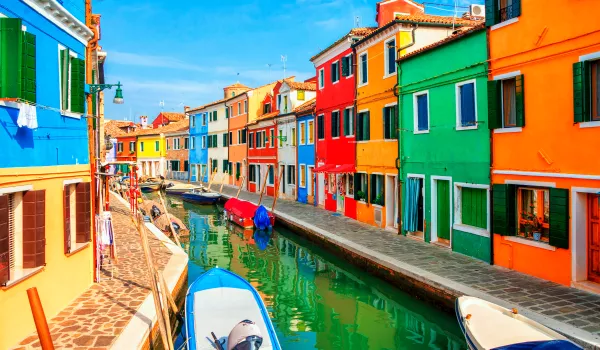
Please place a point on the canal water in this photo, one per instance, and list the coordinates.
(315, 299)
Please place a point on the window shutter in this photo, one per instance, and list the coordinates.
(504, 212)
(516, 8)
(580, 92)
(11, 38)
(367, 126)
(67, 219)
(559, 218)
(491, 12)
(224, 139)
(226, 112)
(215, 141)
(386, 124)
(346, 117)
(83, 212)
(28, 81)
(225, 165)
(373, 189)
(4, 241)
(65, 66)
(77, 85)
(520, 100)
(394, 122)
(332, 72)
(494, 111)
(345, 65)
(34, 227)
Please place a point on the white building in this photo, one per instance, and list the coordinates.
(286, 155)
(292, 94)
(218, 141)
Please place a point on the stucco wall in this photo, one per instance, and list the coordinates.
(286, 154)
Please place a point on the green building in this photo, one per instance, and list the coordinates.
(444, 143)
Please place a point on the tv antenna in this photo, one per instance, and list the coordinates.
(357, 21)
(283, 59)
(269, 65)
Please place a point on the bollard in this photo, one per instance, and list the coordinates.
(41, 325)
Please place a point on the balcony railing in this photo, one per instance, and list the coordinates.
(510, 11)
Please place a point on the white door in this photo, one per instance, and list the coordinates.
(310, 181)
(340, 185)
(321, 188)
(391, 201)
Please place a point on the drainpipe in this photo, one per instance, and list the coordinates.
(491, 133)
(400, 160)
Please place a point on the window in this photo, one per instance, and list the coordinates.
(203, 119)
(175, 143)
(193, 146)
(251, 140)
(271, 175)
(363, 125)
(18, 74)
(186, 143)
(280, 138)
(362, 189)
(349, 185)
(119, 147)
(244, 131)
(203, 141)
(131, 146)
(390, 57)
(302, 133)
(168, 142)
(239, 108)
(142, 146)
(193, 121)
(586, 91)
(321, 127)
(258, 139)
(363, 71)
(302, 175)
(390, 123)
(533, 213)
(225, 139)
(421, 112)
(506, 105)
(225, 165)
(267, 108)
(285, 103)
(227, 110)
(321, 78)
(335, 72)
(245, 106)
(335, 124)
(293, 133)
(157, 145)
(349, 121)
(291, 175)
(215, 166)
(473, 207)
(278, 102)
(311, 132)
(595, 85)
(465, 106)
(252, 173)
(377, 190)
(300, 94)
(509, 110)
(332, 184)
(347, 66)
(509, 9)
(174, 164)
(186, 165)
(272, 137)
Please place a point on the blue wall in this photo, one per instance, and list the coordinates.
(199, 155)
(306, 155)
(58, 140)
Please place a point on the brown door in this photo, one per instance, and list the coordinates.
(594, 238)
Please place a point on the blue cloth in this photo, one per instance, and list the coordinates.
(542, 345)
(411, 205)
(261, 218)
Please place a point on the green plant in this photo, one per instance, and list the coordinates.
(378, 199)
(361, 195)
(530, 222)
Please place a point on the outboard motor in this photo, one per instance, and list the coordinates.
(245, 336)
(176, 227)
(155, 212)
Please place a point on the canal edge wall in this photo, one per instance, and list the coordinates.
(142, 330)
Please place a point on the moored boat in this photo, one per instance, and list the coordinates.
(490, 326)
(201, 197)
(220, 304)
(241, 213)
(150, 186)
(179, 189)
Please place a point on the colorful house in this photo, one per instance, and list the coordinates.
(543, 110)
(335, 146)
(177, 156)
(166, 118)
(446, 195)
(376, 180)
(45, 212)
(125, 142)
(305, 126)
(238, 137)
(198, 156)
(262, 153)
(151, 152)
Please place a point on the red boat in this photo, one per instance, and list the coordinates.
(242, 212)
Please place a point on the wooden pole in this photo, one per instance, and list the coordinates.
(240, 189)
(204, 173)
(175, 235)
(170, 299)
(165, 305)
(211, 179)
(264, 186)
(223, 181)
(39, 318)
(277, 190)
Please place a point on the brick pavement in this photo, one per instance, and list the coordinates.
(570, 311)
(96, 318)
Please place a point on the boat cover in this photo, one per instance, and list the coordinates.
(262, 221)
(240, 208)
(541, 345)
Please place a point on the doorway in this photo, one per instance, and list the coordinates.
(593, 245)
(341, 190)
(321, 188)
(259, 180)
(391, 200)
(441, 212)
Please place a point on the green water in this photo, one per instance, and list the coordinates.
(316, 300)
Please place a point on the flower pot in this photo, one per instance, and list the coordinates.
(537, 236)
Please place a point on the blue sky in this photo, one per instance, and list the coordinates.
(185, 51)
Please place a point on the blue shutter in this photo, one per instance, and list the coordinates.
(467, 104)
(422, 116)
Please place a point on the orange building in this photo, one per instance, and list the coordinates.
(543, 109)
(237, 108)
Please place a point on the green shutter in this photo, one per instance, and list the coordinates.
(28, 75)
(11, 56)
(346, 113)
(345, 66)
(237, 170)
(494, 110)
(520, 100)
(226, 112)
(373, 189)
(215, 115)
(215, 141)
(504, 213)
(491, 12)
(516, 8)
(559, 218)
(224, 165)
(65, 66)
(386, 126)
(77, 85)
(580, 92)
(394, 122)
(367, 126)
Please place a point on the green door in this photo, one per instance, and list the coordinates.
(443, 209)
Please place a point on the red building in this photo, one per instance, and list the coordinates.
(165, 118)
(388, 9)
(335, 124)
(124, 132)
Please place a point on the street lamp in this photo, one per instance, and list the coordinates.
(95, 88)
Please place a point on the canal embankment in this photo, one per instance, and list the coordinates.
(439, 275)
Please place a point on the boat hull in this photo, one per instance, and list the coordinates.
(241, 213)
(200, 199)
(150, 188)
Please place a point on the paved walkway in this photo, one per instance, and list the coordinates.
(569, 311)
(97, 317)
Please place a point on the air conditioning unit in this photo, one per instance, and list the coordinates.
(477, 10)
(378, 216)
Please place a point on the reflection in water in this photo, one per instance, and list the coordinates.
(315, 299)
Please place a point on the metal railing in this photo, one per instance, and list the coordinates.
(177, 175)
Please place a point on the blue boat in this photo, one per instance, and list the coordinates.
(200, 197)
(221, 306)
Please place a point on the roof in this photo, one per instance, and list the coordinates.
(310, 86)
(442, 21)
(113, 127)
(353, 32)
(307, 107)
(172, 116)
(460, 33)
(210, 104)
(264, 117)
(237, 85)
(173, 127)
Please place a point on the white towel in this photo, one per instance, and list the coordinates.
(27, 116)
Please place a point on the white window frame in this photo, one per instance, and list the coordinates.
(193, 121)
(310, 184)
(352, 133)
(302, 172)
(239, 108)
(66, 112)
(348, 176)
(321, 78)
(350, 66)
(510, 128)
(458, 105)
(424, 211)
(337, 63)
(176, 145)
(278, 101)
(131, 149)
(288, 172)
(203, 142)
(193, 142)
(308, 132)
(120, 147)
(245, 106)
(386, 59)
(300, 125)
(251, 136)
(457, 223)
(339, 124)
(204, 118)
(360, 69)
(416, 113)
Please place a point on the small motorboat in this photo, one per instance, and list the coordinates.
(201, 197)
(222, 307)
(150, 186)
(241, 213)
(179, 189)
(490, 326)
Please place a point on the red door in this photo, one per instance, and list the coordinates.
(593, 238)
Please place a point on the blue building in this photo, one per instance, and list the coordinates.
(305, 124)
(45, 211)
(198, 137)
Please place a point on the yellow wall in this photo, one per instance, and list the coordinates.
(63, 278)
(150, 147)
(255, 100)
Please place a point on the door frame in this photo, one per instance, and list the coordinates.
(339, 195)
(321, 188)
(579, 234)
(388, 207)
(588, 243)
(433, 237)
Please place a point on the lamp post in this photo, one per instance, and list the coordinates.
(95, 88)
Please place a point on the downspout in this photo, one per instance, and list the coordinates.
(491, 133)
(400, 159)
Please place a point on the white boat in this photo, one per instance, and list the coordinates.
(179, 189)
(222, 303)
(490, 326)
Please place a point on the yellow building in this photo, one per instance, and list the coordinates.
(377, 184)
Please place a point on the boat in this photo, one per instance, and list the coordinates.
(150, 186)
(241, 213)
(179, 189)
(490, 326)
(201, 197)
(219, 305)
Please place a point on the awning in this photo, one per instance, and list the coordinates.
(324, 168)
(342, 169)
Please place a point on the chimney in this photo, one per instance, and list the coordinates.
(186, 108)
(144, 122)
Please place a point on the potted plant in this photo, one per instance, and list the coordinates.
(361, 196)
(532, 225)
(378, 199)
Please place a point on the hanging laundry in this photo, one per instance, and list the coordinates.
(27, 116)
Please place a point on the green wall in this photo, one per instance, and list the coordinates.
(463, 155)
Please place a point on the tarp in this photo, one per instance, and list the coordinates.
(346, 168)
(262, 221)
(324, 168)
(240, 208)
